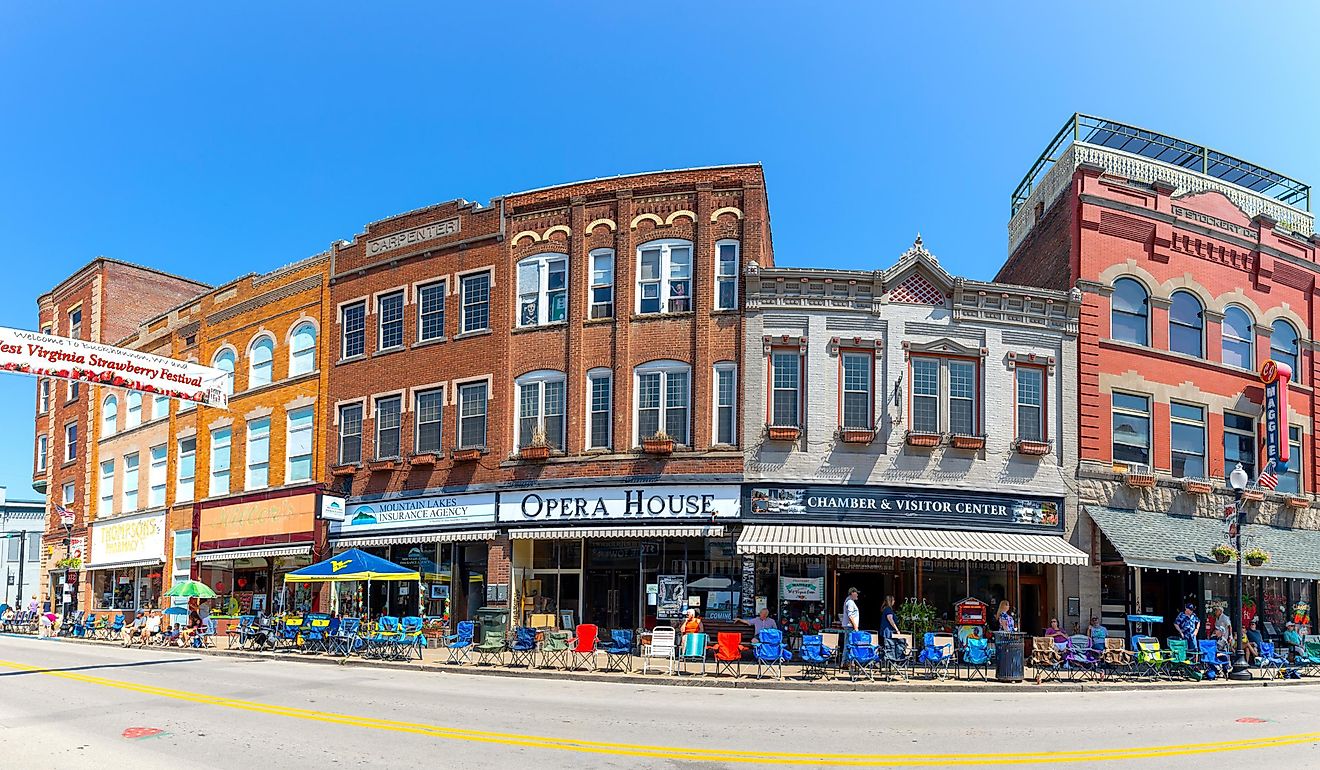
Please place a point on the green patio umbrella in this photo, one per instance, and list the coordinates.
(191, 588)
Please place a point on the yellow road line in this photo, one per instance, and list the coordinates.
(682, 753)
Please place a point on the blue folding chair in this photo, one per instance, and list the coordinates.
(115, 628)
(411, 639)
(1215, 662)
(815, 656)
(384, 641)
(316, 633)
(460, 643)
(936, 655)
(976, 657)
(238, 635)
(619, 651)
(694, 651)
(522, 652)
(863, 657)
(770, 653)
(1271, 664)
(345, 640)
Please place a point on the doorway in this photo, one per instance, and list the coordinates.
(871, 587)
(612, 598)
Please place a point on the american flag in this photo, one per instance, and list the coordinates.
(1267, 478)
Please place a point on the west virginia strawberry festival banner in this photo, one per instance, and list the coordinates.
(45, 355)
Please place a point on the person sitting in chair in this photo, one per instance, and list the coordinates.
(761, 622)
(1254, 639)
(1293, 640)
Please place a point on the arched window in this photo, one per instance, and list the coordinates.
(1130, 319)
(302, 353)
(1186, 324)
(109, 416)
(133, 415)
(541, 408)
(542, 289)
(1238, 338)
(224, 361)
(1283, 346)
(261, 362)
(662, 394)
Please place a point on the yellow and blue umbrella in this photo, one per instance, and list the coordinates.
(352, 564)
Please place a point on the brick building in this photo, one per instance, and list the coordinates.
(103, 301)
(1195, 268)
(907, 433)
(537, 398)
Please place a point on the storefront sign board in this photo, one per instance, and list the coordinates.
(802, 589)
(436, 511)
(292, 514)
(130, 539)
(1276, 377)
(895, 507)
(672, 596)
(620, 504)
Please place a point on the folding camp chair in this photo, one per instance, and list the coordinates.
(896, 657)
(1214, 662)
(72, 627)
(815, 656)
(976, 657)
(937, 655)
(1045, 658)
(290, 632)
(1182, 661)
(1309, 657)
(862, 656)
(345, 641)
(728, 654)
(770, 653)
(238, 634)
(522, 652)
(1152, 660)
(554, 649)
(1081, 660)
(316, 631)
(115, 628)
(619, 651)
(1116, 659)
(583, 646)
(493, 644)
(1271, 664)
(411, 639)
(694, 650)
(459, 643)
(661, 647)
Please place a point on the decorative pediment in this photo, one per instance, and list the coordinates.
(770, 342)
(918, 278)
(942, 347)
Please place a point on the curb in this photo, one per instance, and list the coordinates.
(694, 681)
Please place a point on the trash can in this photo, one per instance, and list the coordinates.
(495, 620)
(1008, 656)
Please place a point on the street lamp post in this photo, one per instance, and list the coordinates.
(1238, 481)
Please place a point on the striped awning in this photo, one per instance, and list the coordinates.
(573, 533)
(465, 536)
(908, 543)
(229, 554)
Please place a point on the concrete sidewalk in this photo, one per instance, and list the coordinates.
(837, 681)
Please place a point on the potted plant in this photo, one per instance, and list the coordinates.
(1298, 501)
(539, 449)
(1196, 486)
(1223, 553)
(1256, 556)
(659, 444)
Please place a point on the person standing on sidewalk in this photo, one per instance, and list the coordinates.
(852, 617)
(888, 620)
(34, 606)
(1005, 616)
(1189, 626)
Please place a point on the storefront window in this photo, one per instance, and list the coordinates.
(129, 589)
(801, 593)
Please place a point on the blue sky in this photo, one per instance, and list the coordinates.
(217, 141)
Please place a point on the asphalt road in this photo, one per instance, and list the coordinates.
(68, 705)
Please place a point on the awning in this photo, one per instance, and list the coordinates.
(126, 564)
(424, 537)
(908, 543)
(573, 533)
(1156, 540)
(229, 554)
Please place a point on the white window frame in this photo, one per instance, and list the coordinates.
(218, 473)
(43, 396)
(70, 444)
(595, 309)
(538, 381)
(68, 493)
(132, 410)
(1249, 341)
(43, 447)
(944, 395)
(109, 415)
(666, 369)
(376, 426)
(868, 357)
(132, 478)
(105, 489)
(1295, 464)
(440, 287)
(1253, 434)
(252, 435)
(157, 475)
(295, 351)
(722, 278)
(719, 370)
(664, 280)
(402, 296)
(290, 432)
(339, 423)
(344, 330)
(463, 281)
(543, 264)
(417, 420)
(229, 355)
(267, 365)
(459, 390)
(75, 327)
(588, 439)
(186, 486)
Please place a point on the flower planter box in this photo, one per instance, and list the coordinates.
(534, 453)
(1197, 486)
(964, 441)
(856, 436)
(783, 432)
(1139, 479)
(658, 446)
(1254, 495)
(1297, 501)
(923, 439)
(1033, 448)
(424, 458)
(468, 454)
(377, 466)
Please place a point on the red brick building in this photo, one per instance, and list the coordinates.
(104, 302)
(1195, 268)
(572, 348)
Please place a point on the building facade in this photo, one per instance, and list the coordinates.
(1196, 268)
(104, 301)
(22, 523)
(535, 401)
(907, 434)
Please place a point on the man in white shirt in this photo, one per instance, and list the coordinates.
(852, 617)
(1223, 630)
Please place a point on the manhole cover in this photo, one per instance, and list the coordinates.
(134, 733)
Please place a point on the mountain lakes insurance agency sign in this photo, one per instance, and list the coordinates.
(133, 539)
(431, 512)
(895, 507)
(620, 504)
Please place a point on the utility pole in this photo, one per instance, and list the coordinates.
(22, 558)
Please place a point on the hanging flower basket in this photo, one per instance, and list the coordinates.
(1197, 486)
(1223, 553)
(1256, 557)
